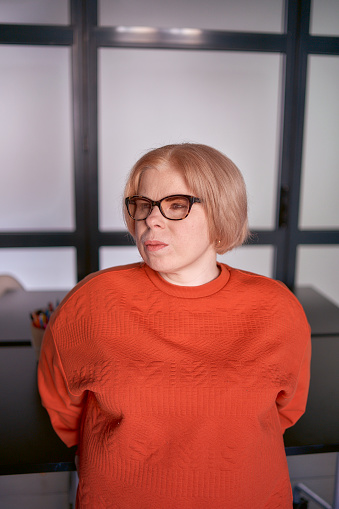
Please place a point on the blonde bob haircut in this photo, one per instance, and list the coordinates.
(210, 176)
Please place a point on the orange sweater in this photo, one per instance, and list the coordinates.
(177, 396)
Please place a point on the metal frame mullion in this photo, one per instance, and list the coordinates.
(79, 121)
(292, 142)
(91, 99)
(323, 45)
(188, 39)
(314, 237)
(36, 239)
(36, 34)
(300, 77)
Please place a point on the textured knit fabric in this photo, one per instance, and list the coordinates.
(177, 397)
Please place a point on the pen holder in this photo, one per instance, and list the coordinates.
(37, 335)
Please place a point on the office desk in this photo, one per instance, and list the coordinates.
(29, 444)
(318, 429)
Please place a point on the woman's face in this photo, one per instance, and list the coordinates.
(180, 251)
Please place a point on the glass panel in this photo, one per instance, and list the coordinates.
(151, 98)
(34, 12)
(114, 256)
(243, 15)
(320, 182)
(317, 266)
(41, 268)
(257, 259)
(324, 17)
(36, 155)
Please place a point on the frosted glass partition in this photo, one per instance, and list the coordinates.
(114, 256)
(36, 154)
(317, 266)
(40, 268)
(52, 12)
(320, 182)
(149, 98)
(243, 15)
(324, 17)
(257, 259)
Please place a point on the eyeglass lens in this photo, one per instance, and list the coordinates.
(174, 207)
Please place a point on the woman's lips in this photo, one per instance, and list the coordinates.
(154, 245)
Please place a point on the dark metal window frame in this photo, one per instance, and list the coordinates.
(84, 37)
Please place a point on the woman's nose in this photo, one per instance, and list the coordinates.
(155, 218)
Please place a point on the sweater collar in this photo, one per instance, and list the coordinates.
(189, 292)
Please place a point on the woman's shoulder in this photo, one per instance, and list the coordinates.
(113, 274)
(248, 278)
(263, 288)
(108, 276)
(269, 297)
(99, 287)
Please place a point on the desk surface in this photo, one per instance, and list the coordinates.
(29, 444)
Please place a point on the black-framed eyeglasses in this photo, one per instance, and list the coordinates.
(174, 207)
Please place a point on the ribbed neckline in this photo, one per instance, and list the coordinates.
(190, 292)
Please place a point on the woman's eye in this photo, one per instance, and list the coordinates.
(143, 205)
(178, 205)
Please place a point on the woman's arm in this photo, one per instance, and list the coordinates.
(64, 408)
(292, 408)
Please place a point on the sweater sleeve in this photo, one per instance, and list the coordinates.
(292, 408)
(63, 407)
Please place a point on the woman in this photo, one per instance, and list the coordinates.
(176, 377)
